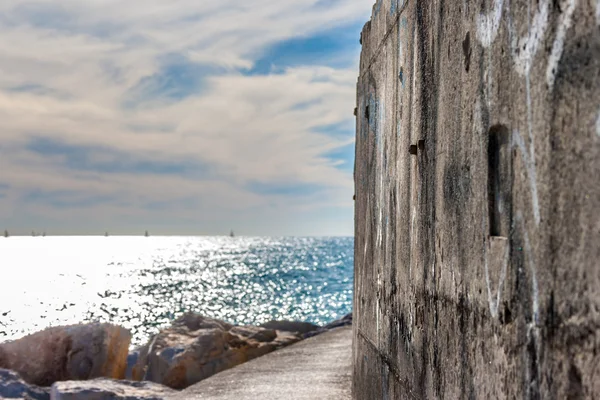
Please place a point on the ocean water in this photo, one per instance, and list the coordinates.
(143, 283)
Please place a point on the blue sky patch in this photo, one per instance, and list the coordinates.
(48, 16)
(336, 48)
(63, 199)
(284, 189)
(177, 78)
(38, 90)
(304, 105)
(3, 189)
(182, 203)
(110, 161)
(345, 154)
(344, 129)
(55, 17)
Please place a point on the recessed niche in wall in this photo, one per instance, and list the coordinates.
(499, 180)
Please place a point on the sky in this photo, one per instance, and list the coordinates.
(180, 117)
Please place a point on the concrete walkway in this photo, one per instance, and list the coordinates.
(316, 368)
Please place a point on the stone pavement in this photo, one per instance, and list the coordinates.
(318, 368)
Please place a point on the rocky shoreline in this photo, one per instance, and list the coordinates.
(92, 361)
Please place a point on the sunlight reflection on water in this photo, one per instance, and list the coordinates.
(144, 283)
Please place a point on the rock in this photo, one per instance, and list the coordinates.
(344, 321)
(286, 338)
(313, 333)
(75, 352)
(291, 326)
(260, 350)
(132, 360)
(13, 387)
(337, 324)
(254, 332)
(193, 322)
(195, 347)
(179, 358)
(108, 389)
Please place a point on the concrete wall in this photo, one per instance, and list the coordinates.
(477, 258)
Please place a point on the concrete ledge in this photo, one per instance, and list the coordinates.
(316, 368)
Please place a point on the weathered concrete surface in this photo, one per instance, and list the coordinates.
(477, 246)
(316, 368)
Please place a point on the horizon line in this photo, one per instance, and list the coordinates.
(176, 235)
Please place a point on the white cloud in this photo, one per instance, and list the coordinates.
(68, 73)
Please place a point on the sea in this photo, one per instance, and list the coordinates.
(144, 283)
